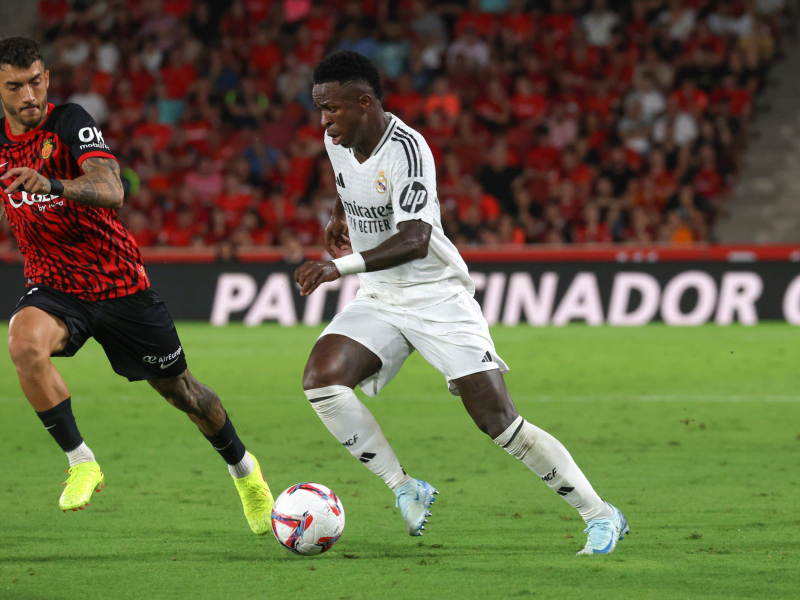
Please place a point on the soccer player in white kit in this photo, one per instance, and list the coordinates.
(416, 294)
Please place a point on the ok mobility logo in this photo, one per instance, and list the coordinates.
(91, 138)
(627, 297)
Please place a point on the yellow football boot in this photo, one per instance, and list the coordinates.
(84, 478)
(256, 499)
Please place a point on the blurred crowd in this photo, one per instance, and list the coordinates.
(550, 122)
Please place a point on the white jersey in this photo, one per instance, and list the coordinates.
(397, 183)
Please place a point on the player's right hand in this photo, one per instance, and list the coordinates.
(312, 273)
(336, 234)
(28, 180)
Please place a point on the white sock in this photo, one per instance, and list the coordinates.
(243, 468)
(81, 454)
(547, 457)
(353, 425)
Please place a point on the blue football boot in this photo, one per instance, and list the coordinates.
(413, 499)
(605, 533)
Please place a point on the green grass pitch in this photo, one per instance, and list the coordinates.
(694, 433)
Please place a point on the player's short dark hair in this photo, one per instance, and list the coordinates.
(346, 66)
(20, 52)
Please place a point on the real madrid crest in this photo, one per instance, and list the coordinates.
(380, 184)
(47, 149)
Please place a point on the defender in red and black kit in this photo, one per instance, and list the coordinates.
(60, 188)
(95, 258)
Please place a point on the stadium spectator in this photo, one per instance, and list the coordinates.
(675, 125)
(592, 229)
(678, 19)
(578, 120)
(632, 128)
(94, 103)
(563, 126)
(405, 102)
(498, 176)
(650, 99)
(599, 24)
(469, 51)
(443, 101)
(619, 172)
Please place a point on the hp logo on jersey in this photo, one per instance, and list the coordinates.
(414, 197)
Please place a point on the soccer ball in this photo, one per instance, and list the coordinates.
(307, 519)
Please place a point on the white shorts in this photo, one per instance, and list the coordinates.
(452, 336)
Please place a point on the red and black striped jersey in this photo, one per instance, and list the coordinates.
(67, 245)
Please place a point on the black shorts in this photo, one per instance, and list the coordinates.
(136, 331)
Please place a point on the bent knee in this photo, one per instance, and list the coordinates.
(495, 420)
(314, 378)
(492, 429)
(496, 423)
(318, 374)
(28, 353)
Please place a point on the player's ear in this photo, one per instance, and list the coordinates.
(365, 101)
(47, 79)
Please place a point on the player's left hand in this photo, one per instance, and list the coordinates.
(27, 180)
(312, 273)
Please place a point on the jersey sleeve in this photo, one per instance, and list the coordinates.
(79, 131)
(412, 179)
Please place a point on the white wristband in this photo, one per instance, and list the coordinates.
(352, 263)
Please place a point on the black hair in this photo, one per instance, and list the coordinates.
(20, 52)
(346, 66)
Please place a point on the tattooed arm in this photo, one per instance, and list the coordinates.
(100, 184)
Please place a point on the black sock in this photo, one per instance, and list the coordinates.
(60, 423)
(227, 443)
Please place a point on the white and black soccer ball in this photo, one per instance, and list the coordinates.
(307, 519)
